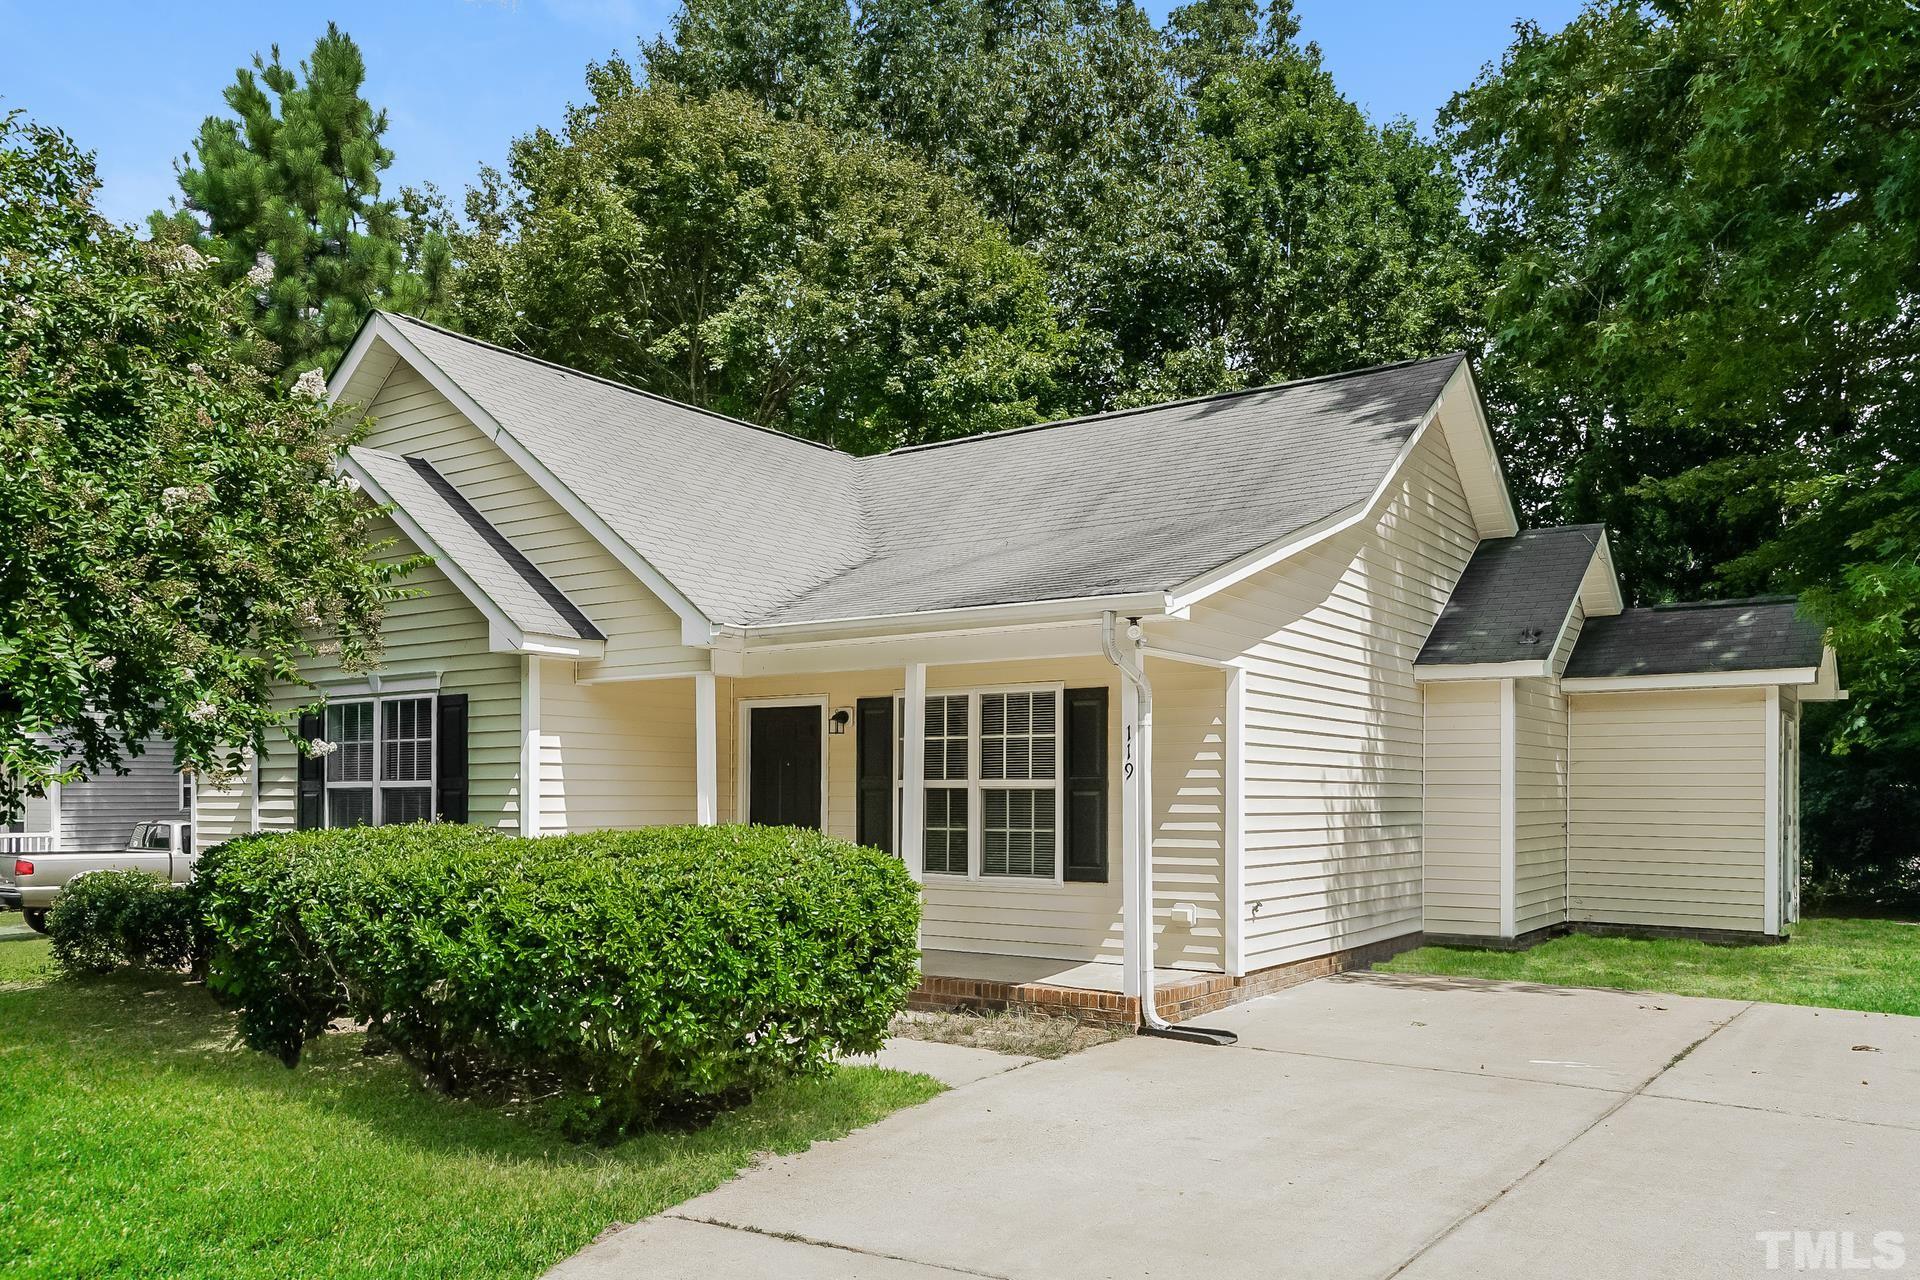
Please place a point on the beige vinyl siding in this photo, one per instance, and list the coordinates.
(613, 755)
(433, 632)
(1669, 808)
(643, 633)
(1333, 763)
(222, 812)
(1462, 827)
(1067, 921)
(1540, 804)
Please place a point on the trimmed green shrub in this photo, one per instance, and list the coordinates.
(631, 976)
(108, 919)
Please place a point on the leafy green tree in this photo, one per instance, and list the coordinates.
(773, 270)
(1703, 220)
(285, 196)
(1705, 314)
(1346, 243)
(176, 536)
(793, 57)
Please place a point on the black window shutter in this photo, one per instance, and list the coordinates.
(1086, 786)
(873, 747)
(308, 803)
(450, 745)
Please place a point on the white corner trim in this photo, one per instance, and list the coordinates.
(531, 792)
(1234, 762)
(1773, 763)
(1769, 678)
(1509, 808)
(913, 772)
(629, 556)
(706, 751)
(1438, 672)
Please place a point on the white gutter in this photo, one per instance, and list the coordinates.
(1138, 861)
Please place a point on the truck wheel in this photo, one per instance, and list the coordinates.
(36, 918)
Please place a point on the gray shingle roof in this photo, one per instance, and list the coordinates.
(757, 527)
(1691, 639)
(479, 550)
(1513, 598)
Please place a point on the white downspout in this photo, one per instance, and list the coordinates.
(1139, 860)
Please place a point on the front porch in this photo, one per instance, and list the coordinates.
(1022, 826)
(1092, 991)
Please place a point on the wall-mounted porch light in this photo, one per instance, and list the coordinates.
(838, 721)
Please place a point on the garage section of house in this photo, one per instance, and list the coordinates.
(1602, 768)
(1161, 708)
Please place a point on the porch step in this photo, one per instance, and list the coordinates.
(1178, 996)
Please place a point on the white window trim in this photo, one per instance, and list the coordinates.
(378, 784)
(745, 737)
(975, 786)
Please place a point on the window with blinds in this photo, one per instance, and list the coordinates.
(992, 784)
(1019, 771)
(380, 770)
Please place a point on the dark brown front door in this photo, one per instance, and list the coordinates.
(783, 766)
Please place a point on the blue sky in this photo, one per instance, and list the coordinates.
(460, 78)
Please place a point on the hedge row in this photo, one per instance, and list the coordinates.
(629, 976)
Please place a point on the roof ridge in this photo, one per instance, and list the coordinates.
(1108, 414)
(615, 383)
(1731, 602)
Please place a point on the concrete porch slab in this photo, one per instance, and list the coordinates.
(1091, 975)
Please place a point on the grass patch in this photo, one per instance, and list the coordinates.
(1034, 1035)
(142, 1142)
(1872, 965)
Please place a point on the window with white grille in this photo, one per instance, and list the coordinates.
(992, 784)
(948, 718)
(380, 769)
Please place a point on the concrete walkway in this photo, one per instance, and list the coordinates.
(1368, 1126)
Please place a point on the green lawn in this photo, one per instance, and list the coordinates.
(138, 1141)
(1835, 963)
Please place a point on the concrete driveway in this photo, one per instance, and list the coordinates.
(1370, 1126)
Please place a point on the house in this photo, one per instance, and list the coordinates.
(1289, 641)
(100, 812)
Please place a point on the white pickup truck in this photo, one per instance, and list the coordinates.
(31, 883)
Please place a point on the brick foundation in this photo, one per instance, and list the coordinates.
(1719, 937)
(1176, 1001)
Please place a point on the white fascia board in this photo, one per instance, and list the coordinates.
(1696, 680)
(1609, 584)
(1826, 686)
(1004, 644)
(694, 622)
(1507, 522)
(939, 622)
(1433, 672)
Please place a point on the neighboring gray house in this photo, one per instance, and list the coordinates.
(100, 812)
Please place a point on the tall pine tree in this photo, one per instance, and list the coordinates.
(287, 196)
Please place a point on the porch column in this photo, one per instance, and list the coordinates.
(706, 751)
(913, 772)
(530, 746)
(1131, 917)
